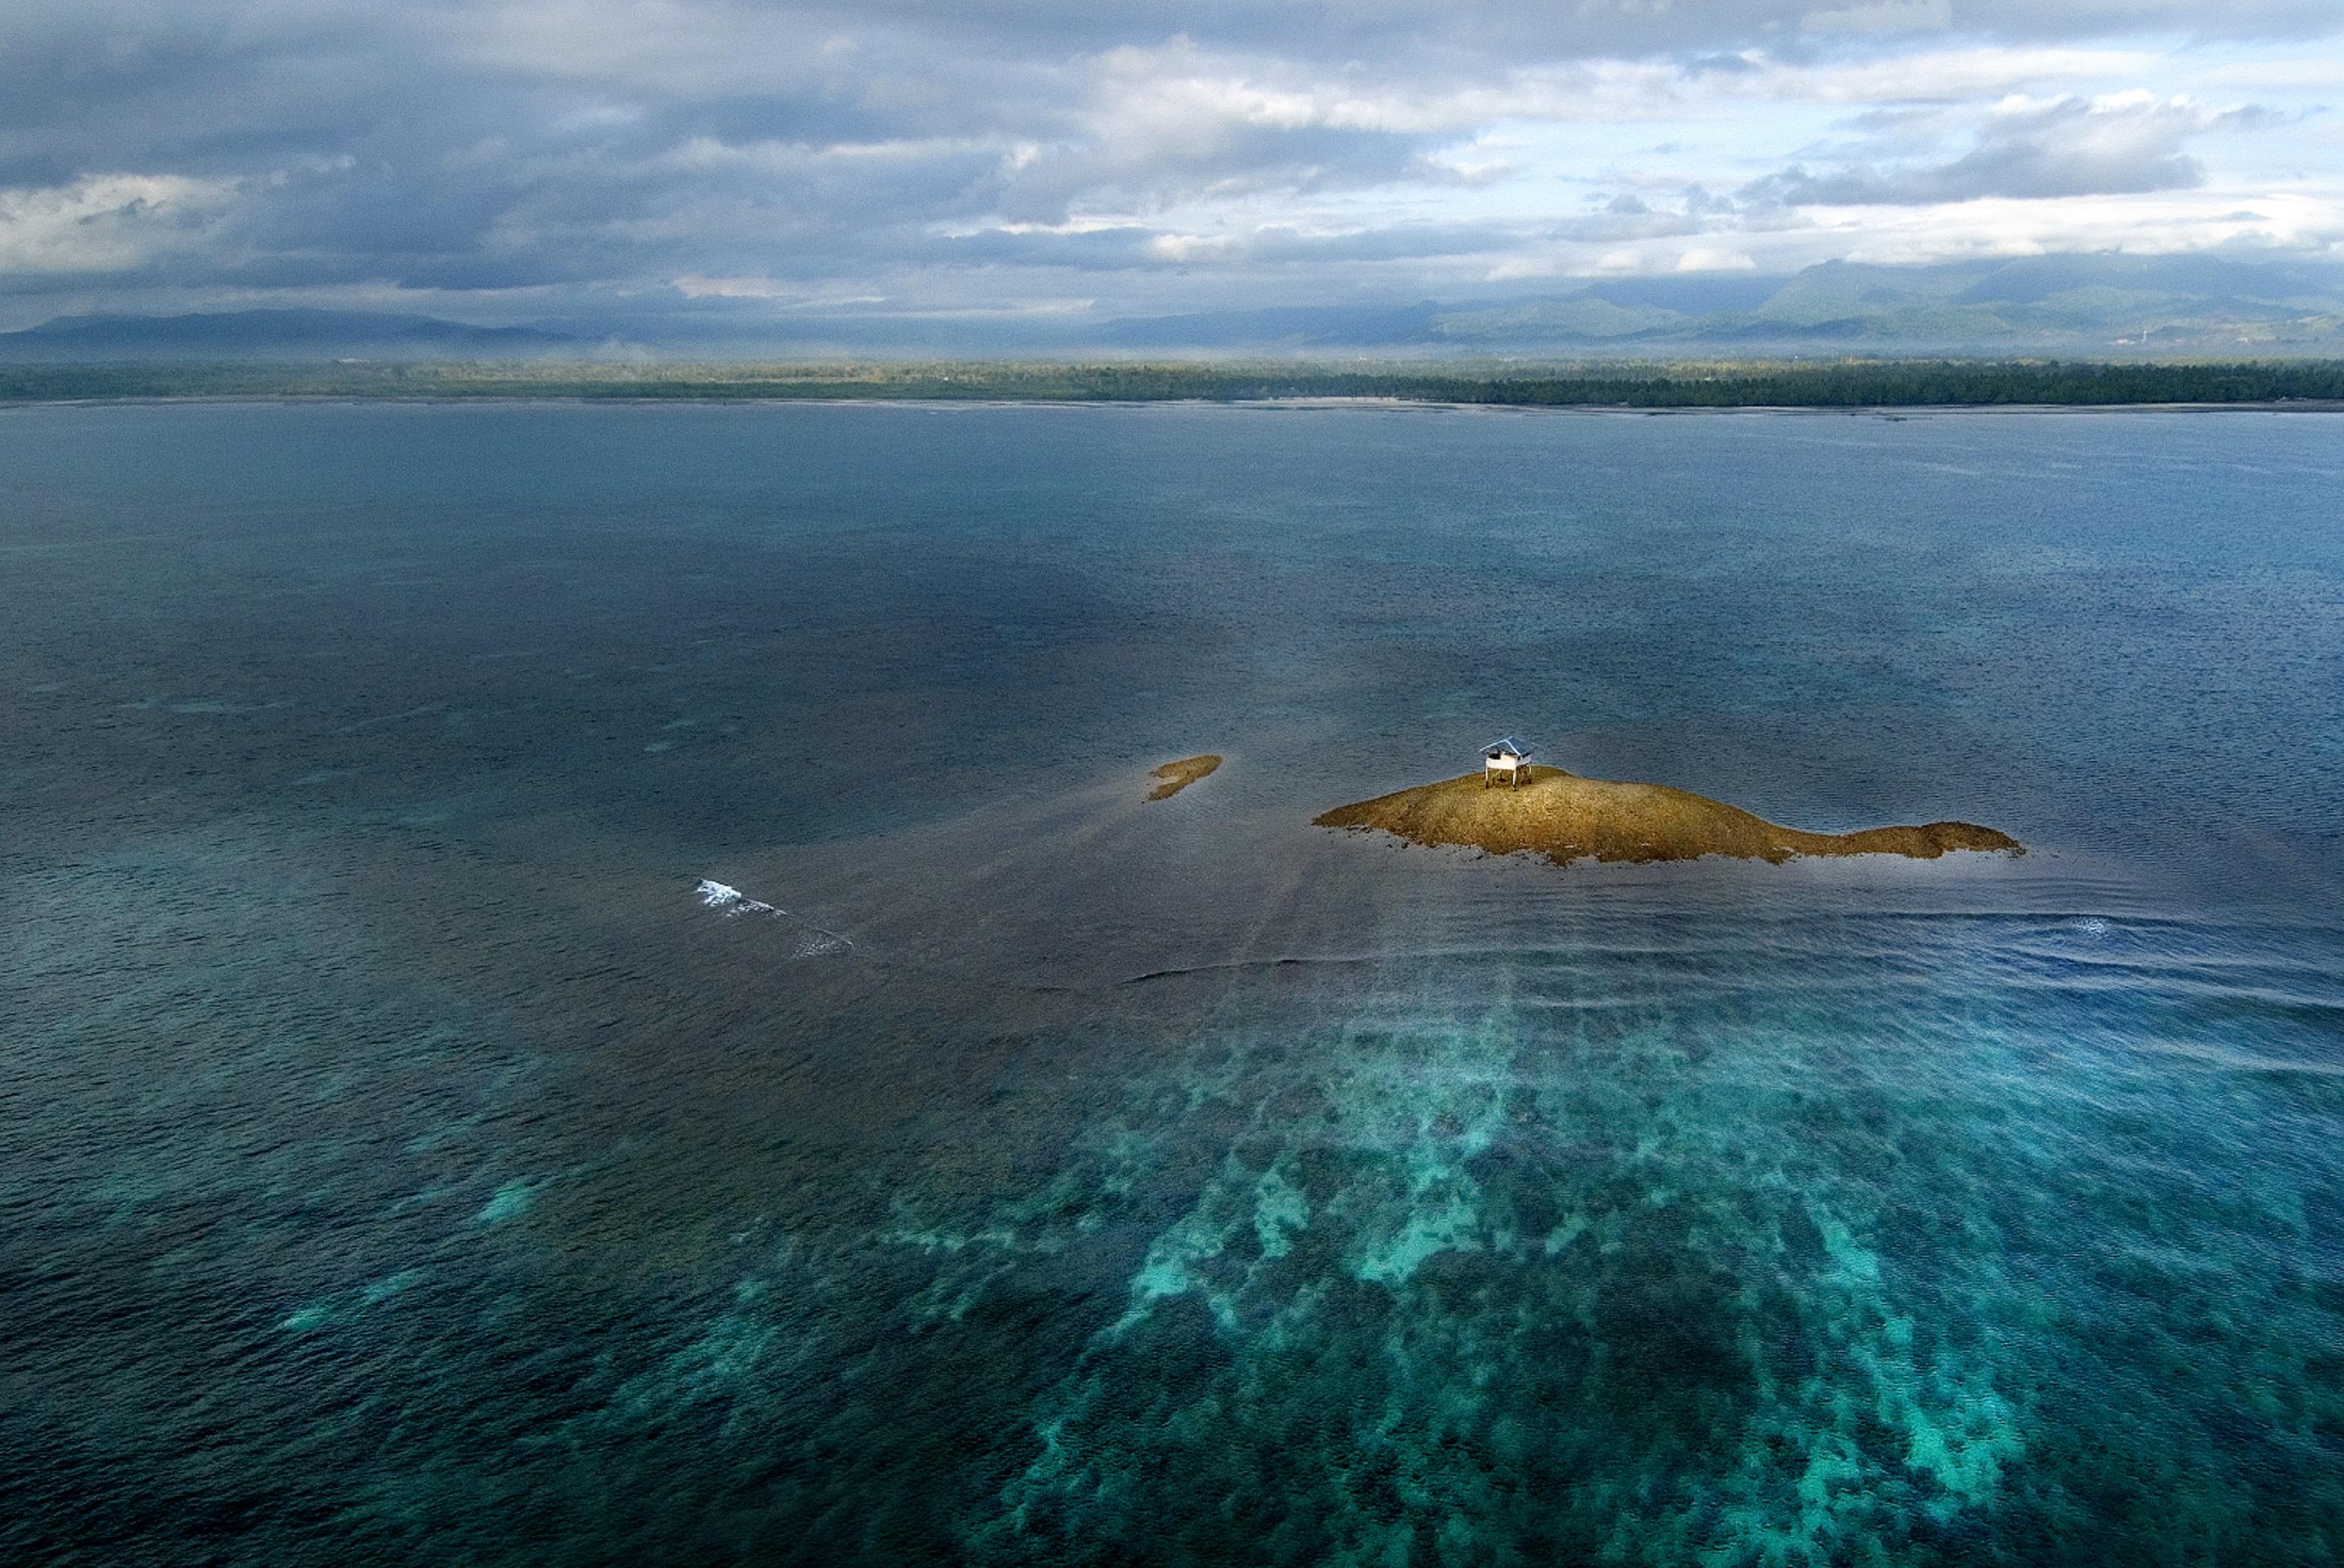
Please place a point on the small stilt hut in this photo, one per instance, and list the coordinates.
(1505, 760)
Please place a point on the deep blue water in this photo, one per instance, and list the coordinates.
(400, 1162)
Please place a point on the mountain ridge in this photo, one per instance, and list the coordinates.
(291, 332)
(2094, 306)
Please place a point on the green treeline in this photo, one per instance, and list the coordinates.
(1850, 384)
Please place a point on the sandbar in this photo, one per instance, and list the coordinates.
(1180, 776)
(1566, 817)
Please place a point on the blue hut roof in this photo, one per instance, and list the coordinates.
(1505, 745)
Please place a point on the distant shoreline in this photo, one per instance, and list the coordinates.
(1259, 405)
(1890, 387)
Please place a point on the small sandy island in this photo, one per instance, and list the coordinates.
(1180, 776)
(1565, 817)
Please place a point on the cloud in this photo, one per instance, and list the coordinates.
(1882, 17)
(1711, 258)
(511, 157)
(693, 287)
(2123, 146)
(114, 223)
(1628, 216)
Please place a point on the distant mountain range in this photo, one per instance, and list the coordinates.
(274, 334)
(2083, 306)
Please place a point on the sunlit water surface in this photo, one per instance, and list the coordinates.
(403, 1159)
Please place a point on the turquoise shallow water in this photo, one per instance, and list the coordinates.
(401, 1159)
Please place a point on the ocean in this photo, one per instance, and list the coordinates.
(411, 1152)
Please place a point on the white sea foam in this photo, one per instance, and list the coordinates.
(732, 900)
(817, 944)
(813, 941)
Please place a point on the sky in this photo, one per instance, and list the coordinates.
(569, 159)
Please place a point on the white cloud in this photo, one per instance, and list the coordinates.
(2123, 143)
(1882, 17)
(1943, 76)
(693, 287)
(108, 223)
(1184, 248)
(1713, 259)
(2139, 226)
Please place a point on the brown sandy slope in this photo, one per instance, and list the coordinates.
(1180, 776)
(1564, 817)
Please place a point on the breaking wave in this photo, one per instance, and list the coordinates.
(812, 941)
